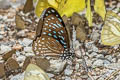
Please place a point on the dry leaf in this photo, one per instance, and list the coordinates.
(8, 54)
(2, 71)
(20, 24)
(28, 6)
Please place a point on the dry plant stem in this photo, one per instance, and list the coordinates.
(113, 74)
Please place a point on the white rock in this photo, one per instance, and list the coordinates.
(109, 57)
(93, 54)
(56, 66)
(68, 71)
(5, 48)
(67, 78)
(50, 75)
(113, 65)
(98, 63)
(28, 49)
(77, 66)
(21, 58)
(29, 54)
(1, 37)
(18, 77)
(100, 56)
(26, 42)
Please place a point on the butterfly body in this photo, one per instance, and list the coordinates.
(52, 37)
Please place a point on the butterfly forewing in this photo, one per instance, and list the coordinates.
(110, 34)
(53, 37)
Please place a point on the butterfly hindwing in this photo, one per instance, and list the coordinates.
(52, 36)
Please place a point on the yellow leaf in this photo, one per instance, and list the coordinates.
(89, 13)
(68, 7)
(41, 5)
(110, 34)
(64, 7)
(100, 8)
(33, 72)
(53, 3)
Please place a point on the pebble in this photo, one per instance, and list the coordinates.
(21, 33)
(57, 66)
(106, 62)
(93, 54)
(67, 78)
(28, 49)
(113, 60)
(100, 56)
(95, 35)
(19, 76)
(50, 75)
(4, 49)
(29, 54)
(1, 37)
(68, 71)
(21, 58)
(109, 57)
(27, 42)
(77, 66)
(98, 63)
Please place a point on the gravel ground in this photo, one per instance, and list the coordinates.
(93, 60)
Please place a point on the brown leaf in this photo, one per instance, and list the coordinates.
(28, 6)
(2, 71)
(42, 63)
(8, 54)
(26, 63)
(80, 33)
(11, 66)
(76, 19)
(20, 24)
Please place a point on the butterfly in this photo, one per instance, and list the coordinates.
(110, 34)
(33, 72)
(51, 35)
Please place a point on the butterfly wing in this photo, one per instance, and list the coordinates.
(110, 34)
(54, 29)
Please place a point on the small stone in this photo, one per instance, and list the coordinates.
(67, 78)
(57, 66)
(18, 77)
(77, 66)
(89, 63)
(21, 58)
(21, 34)
(109, 57)
(114, 60)
(50, 75)
(68, 71)
(27, 42)
(100, 56)
(106, 62)
(1, 37)
(93, 54)
(98, 63)
(29, 54)
(95, 35)
(4, 49)
(28, 49)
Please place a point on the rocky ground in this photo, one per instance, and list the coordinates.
(93, 61)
